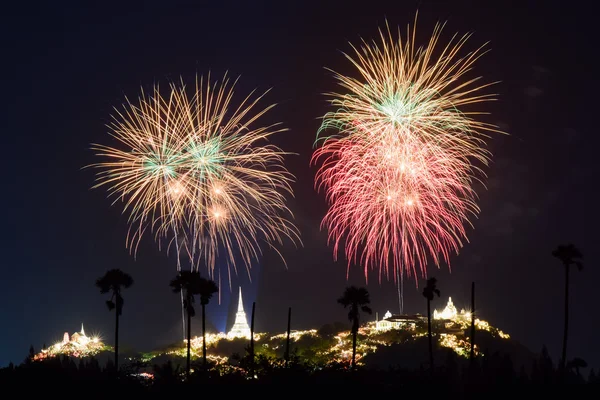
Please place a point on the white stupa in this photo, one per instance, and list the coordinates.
(240, 327)
(448, 313)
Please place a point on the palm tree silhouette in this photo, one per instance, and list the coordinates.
(428, 292)
(357, 299)
(114, 281)
(569, 255)
(206, 290)
(189, 283)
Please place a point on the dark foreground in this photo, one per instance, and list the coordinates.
(87, 379)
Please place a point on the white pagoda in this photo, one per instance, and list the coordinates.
(448, 313)
(240, 328)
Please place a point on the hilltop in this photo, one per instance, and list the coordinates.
(396, 341)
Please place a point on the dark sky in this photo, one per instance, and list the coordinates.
(64, 66)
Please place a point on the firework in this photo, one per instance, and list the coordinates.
(191, 168)
(398, 172)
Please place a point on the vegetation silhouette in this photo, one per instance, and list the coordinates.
(190, 283)
(428, 291)
(207, 288)
(472, 350)
(575, 364)
(252, 353)
(569, 255)
(496, 373)
(356, 299)
(114, 281)
(287, 340)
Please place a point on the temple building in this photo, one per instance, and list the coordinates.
(79, 338)
(240, 328)
(402, 321)
(449, 317)
(77, 345)
(450, 313)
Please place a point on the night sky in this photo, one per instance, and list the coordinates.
(65, 66)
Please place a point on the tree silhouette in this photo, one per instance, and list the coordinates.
(165, 374)
(569, 255)
(30, 355)
(356, 299)
(206, 290)
(576, 364)
(190, 283)
(592, 376)
(428, 292)
(114, 281)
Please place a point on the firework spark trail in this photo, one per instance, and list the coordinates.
(194, 172)
(405, 200)
(398, 173)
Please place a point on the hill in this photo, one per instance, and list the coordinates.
(397, 341)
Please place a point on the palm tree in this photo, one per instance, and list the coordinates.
(207, 289)
(428, 292)
(114, 281)
(189, 283)
(357, 299)
(569, 255)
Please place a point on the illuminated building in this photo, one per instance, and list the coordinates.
(450, 313)
(240, 328)
(76, 345)
(403, 321)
